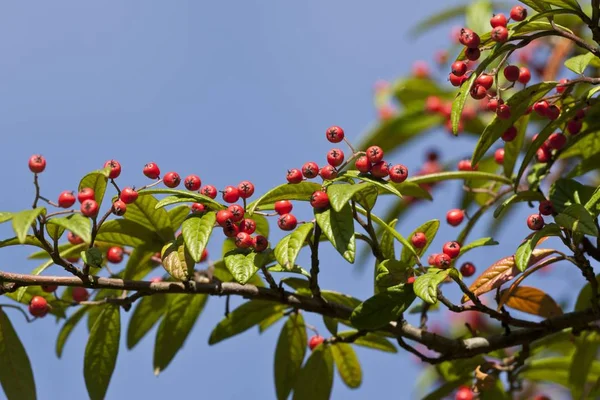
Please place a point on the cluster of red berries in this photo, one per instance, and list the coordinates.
(241, 229)
(372, 162)
(535, 222)
(450, 251)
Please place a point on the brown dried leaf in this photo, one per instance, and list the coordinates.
(501, 272)
(532, 301)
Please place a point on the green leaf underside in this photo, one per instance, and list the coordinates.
(23, 220)
(347, 364)
(289, 355)
(67, 328)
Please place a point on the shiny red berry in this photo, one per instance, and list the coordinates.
(455, 80)
(410, 280)
(151, 170)
(37, 163)
(209, 191)
(80, 294)
(510, 134)
(472, 53)
(442, 260)
(398, 173)
(231, 230)
(335, 157)
(204, 255)
(478, 92)
(535, 222)
(469, 38)
(198, 208)
(452, 249)
(319, 200)
(224, 217)
(38, 306)
(85, 194)
(171, 179)
(315, 341)
(574, 126)
(246, 189)
(66, 199)
(328, 172)
(543, 154)
(553, 112)
(524, 75)
(467, 269)
(363, 164)
(119, 208)
(518, 13)
(380, 169)
(503, 111)
(500, 34)
(431, 258)
(294, 175)
(465, 165)
(287, 222)
(231, 194)
(283, 207)
(73, 238)
(128, 195)
(455, 217)
(562, 85)
(546, 207)
(243, 240)
(485, 80)
(310, 170)
(89, 208)
(498, 20)
(248, 225)
(261, 243)
(192, 182)
(115, 254)
(237, 212)
(541, 107)
(499, 156)
(433, 104)
(557, 141)
(115, 168)
(419, 240)
(374, 154)
(512, 73)
(464, 393)
(334, 134)
(459, 68)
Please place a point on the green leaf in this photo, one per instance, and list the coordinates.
(315, 379)
(408, 188)
(123, 232)
(371, 341)
(586, 351)
(146, 314)
(21, 291)
(5, 217)
(289, 246)
(377, 311)
(243, 318)
(287, 191)
(392, 231)
(390, 273)
(67, 328)
(54, 231)
(430, 229)
(101, 352)
(466, 175)
(177, 260)
(537, 5)
(243, 265)
(426, 285)
(144, 212)
(477, 15)
(477, 243)
(76, 223)
(382, 184)
(289, 354)
(139, 264)
(23, 220)
(16, 376)
(528, 195)
(585, 297)
(518, 104)
(367, 197)
(338, 227)
(196, 230)
(386, 243)
(262, 224)
(578, 219)
(295, 269)
(182, 313)
(331, 324)
(341, 194)
(569, 4)
(169, 200)
(555, 370)
(92, 257)
(57, 307)
(96, 180)
(271, 320)
(565, 192)
(347, 364)
(177, 215)
(579, 63)
(525, 250)
(512, 149)
(197, 197)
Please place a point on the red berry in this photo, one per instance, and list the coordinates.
(493, 103)
(546, 207)
(315, 341)
(115, 254)
(374, 154)
(557, 141)
(518, 13)
(419, 240)
(204, 255)
(38, 306)
(455, 216)
(328, 172)
(334, 134)
(431, 258)
(128, 195)
(89, 208)
(465, 165)
(459, 68)
(433, 104)
(115, 168)
(335, 157)
(456, 81)
(442, 260)
(574, 126)
(243, 240)
(319, 200)
(543, 154)
(512, 73)
(398, 173)
(510, 134)
(231, 194)
(541, 396)
(231, 230)
(500, 34)
(472, 53)
(410, 280)
(499, 156)
(540, 107)
(283, 207)
(469, 38)
(248, 225)
(237, 212)
(66, 199)
(37, 163)
(380, 169)
(209, 191)
(192, 182)
(553, 112)
(467, 269)
(363, 164)
(562, 85)
(119, 208)
(80, 294)
(478, 92)
(172, 179)
(85, 194)
(224, 217)
(580, 114)
(524, 75)
(49, 288)
(198, 208)
(464, 393)
(294, 175)
(260, 243)
(452, 249)
(485, 80)
(498, 20)
(151, 170)
(535, 222)
(503, 111)
(310, 170)
(287, 222)
(246, 189)
(73, 238)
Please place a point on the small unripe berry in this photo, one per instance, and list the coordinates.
(535, 222)
(128, 195)
(85, 194)
(80, 294)
(119, 208)
(246, 189)
(319, 200)
(66, 199)
(334, 134)
(151, 170)
(192, 182)
(287, 222)
(335, 157)
(518, 13)
(419, 240)
(231, 194)
(115, 168)
(171, 179)
(294, 175)
(452, 249)
(283, 207)
(89, 208)
(455, 216)
(37, 163)
(115, 254)
(315, 341)
(467, 269)
(398, 173)
(310, 170)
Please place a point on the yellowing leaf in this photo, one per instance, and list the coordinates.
(530, 300)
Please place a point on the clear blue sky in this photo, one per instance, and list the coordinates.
(230, 91)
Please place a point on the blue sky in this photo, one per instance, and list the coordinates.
(229, 91)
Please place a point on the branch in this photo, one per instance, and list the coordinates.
(576, 39)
